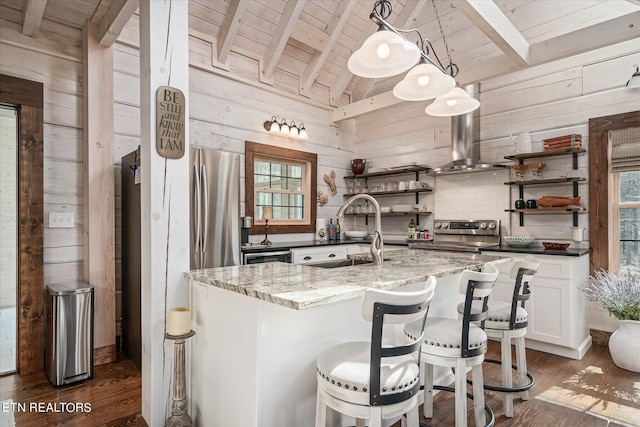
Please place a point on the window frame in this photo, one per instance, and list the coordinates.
(255, 151)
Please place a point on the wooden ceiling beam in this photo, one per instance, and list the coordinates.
(596, 36)
(488, 17)
(114, 20)
(310, 36)
(229, 28)
(32, 13)
(279, 39)
(338, 20)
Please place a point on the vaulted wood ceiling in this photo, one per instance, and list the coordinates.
(308, 42)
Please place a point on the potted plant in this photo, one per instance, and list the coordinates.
(619, 294)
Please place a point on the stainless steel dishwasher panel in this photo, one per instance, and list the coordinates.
(69, 332)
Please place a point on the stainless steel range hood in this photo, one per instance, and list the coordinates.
(465, 154)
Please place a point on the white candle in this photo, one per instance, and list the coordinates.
(267, 212)
(179, 321)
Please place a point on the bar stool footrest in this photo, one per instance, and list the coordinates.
(520, 389)
(487, 409)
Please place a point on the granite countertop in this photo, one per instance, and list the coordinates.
(303, 286)
(539, 250)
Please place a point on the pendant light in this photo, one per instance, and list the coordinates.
(388, 52)
(422, 82)
(383, 54)
(455, 102)
(634, 81)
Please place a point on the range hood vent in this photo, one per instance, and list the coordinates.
(465, 154)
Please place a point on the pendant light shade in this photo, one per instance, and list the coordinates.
(422, 82)
(453, 103)
(634, 81)
(383, 54)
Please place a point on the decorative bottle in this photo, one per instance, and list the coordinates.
(412, 229)
(331, 231)
(337, 229)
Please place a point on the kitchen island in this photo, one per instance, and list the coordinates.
(259, 329)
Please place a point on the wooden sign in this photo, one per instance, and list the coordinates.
(170, 122)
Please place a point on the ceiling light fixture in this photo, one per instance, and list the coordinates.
(388, 52)
(634, 81)
(283, 129)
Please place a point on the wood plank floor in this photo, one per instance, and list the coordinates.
(576, 393)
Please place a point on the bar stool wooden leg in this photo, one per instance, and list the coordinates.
(507, 378)
(427, 407)
(321, 412)
(461, 393)
(521, 362)
(478, 395)
(360, 422)
(376, 417)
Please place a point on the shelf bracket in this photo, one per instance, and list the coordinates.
(521, 218)
(575, 161)
(575, 219)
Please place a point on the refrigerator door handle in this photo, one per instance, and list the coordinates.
(205, 189)
(197, 214)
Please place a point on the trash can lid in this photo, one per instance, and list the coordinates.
(69, 288)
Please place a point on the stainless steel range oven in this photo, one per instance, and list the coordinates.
(462, 235)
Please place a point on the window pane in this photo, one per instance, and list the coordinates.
(630, 239)
(262, 168)
(294, 184)
(276, 169)
(295, 213)
(295, 171)
(630, 186)
(263, 199)
(296, 200)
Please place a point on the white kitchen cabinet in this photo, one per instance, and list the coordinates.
(318, 254)
(558, 310)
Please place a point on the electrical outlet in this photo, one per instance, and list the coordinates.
(61, 220)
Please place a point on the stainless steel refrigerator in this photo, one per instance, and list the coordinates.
(214, 194)
(214, 185)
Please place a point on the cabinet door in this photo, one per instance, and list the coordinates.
(314, 255)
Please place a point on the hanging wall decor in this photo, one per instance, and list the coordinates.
(170, 122)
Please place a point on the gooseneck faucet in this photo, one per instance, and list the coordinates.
(377, 245)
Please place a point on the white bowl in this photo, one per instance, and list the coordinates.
(519, 241)
(385, 209)
(355, 235)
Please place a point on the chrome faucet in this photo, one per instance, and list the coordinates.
(377, 245)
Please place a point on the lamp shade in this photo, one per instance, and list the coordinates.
(424, 81)
(453, 103)
(634, 81)
(383, 54)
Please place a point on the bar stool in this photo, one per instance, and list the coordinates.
(459, 344)
(379, 379)
(508, 321)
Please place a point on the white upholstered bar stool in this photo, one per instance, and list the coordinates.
(377, 379)
(507, 321)
(459, 344)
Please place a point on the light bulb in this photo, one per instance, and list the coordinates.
(383, 51)
(452, 102)
(423, 80)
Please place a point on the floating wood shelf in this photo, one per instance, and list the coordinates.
(390, 172)
(390, 193)
(548, 153)
(392, 213)
(547, 181)
(575, 209)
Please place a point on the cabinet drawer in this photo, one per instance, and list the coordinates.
(314, 255)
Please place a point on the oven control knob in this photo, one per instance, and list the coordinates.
(445, 225)
(483, 225)
(492, 226)
(438, 225)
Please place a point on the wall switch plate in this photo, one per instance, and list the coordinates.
(61, 220)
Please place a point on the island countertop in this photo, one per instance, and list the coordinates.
(303, 286)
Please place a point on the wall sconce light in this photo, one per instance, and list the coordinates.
(284, 129)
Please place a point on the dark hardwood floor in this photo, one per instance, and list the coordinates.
(587, 392)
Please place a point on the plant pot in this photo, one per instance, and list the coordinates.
(624, 345)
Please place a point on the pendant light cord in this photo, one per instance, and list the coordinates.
(452, 68)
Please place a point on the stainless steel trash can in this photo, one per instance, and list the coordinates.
(69, 332)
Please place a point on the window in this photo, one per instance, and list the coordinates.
(285, 180)
(626, 222)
